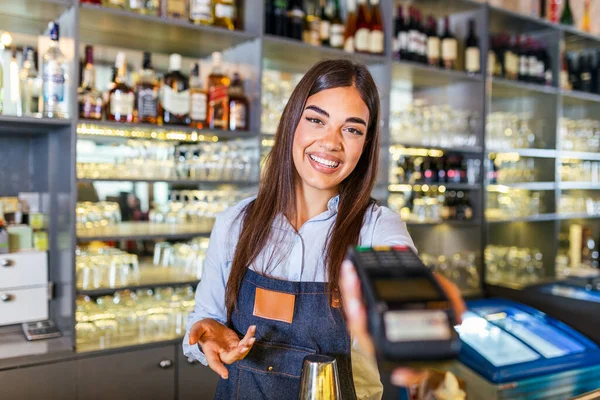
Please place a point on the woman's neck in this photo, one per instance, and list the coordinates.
(310, 202)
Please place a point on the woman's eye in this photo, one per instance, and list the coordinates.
(355, 131)
(314, 120)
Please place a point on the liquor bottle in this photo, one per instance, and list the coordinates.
(325, 25)
(564, 72)
(175, 8)
(414, 36)
(522, 52)
(201, 12)
(336, 31)
(147, 93)
(492, 60)
(472, 64)
(30, 84)
(567, 16)
(350, 29)
(585, 74)
(361, 38)
(574, 76)
(400, 36)
(218, 84)
(91, 103)
(543, 9)
(269, 16)
(121, 98)
(280, 17)
(376, 37)
(174, 99)
(553, 13)
(585, 21)
(151, 7)
(422, 39)
(449, 46)
(224, 14)
(198, 99)
(54, 73)
(296, 16)
(120, 4)
(596, 87)
(312, 34)
(239, 112)
(136, 5)
(433, 44)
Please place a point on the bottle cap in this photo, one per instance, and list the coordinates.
(175, 62)
(120, 61)
(147, 63)
(195, 72)
(217, 58)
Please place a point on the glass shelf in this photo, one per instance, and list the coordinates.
(148, 131)
(532, 218)
(538, 153)
(502, 87)
(422, 75)
(563, 216)
(466, 149)
(405, 187)
(10, 124)
(142, 230)
(578, 185)
(580, 155)
(577, 95)
(293, 55)
(498, 187)
(150, 277)
(454, 223)
(170, 181)
(109, 26)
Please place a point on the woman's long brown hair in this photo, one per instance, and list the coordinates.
(276, 193)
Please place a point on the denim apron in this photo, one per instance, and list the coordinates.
(272, 368)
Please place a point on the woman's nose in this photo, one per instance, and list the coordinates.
(331, 140)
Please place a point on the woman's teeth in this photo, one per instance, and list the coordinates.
(324, 162)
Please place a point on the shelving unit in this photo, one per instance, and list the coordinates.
(141, 231)
(51, 144)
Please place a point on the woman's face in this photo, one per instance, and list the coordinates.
(330, 137)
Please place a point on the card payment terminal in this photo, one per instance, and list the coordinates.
(410, 317)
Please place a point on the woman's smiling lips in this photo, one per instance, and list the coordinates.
(324, 163)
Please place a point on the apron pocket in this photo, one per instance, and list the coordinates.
(271, 371)
(276, 359)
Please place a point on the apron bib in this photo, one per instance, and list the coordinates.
(284, 336)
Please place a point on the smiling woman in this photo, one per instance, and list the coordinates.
(272, 269)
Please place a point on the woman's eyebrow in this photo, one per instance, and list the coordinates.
(356, 120)
(318, 110)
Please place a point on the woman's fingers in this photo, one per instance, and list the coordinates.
(408, 377)
(196, 332)
(355, 311)
(454, 295)
(214, 362)
(249, 336)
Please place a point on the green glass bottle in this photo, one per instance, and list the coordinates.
(567, 16)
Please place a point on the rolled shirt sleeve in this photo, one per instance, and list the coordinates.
(390, 230)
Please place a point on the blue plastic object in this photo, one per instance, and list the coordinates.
(571, 292)
(505, 341)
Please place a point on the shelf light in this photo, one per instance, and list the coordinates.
(498, 188)
(397, 151)
(137, 133)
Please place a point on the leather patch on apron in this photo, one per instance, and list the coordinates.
(273, 305)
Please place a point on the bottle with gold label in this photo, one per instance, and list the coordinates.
(121, 97)
(176, 8)
(238, 105)
(174, 100)
(224, 14)
(218, 85)
(198, 99)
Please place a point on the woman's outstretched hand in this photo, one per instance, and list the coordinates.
(357, 318)
(220, 344)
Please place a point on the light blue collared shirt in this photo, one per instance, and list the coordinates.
(299, 256)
